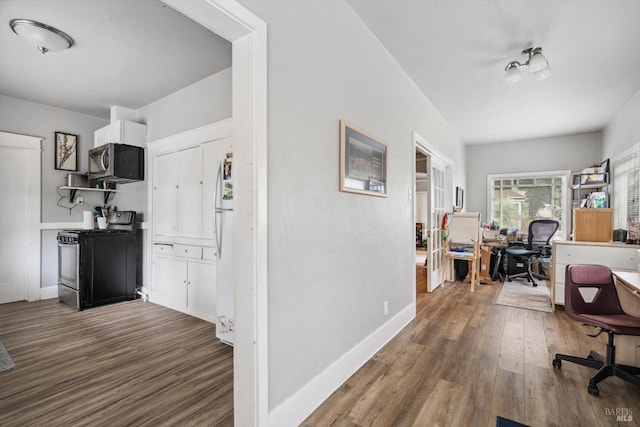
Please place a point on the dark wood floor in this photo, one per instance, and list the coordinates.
(464, 361)
(461, 362)
(125, 364)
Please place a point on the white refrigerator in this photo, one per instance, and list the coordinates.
(223, 218)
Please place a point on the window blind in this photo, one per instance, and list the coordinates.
(626, 189)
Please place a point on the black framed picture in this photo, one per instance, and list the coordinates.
(363, 162)
(459, 197)
(66, 155)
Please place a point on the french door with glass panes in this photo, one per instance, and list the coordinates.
(437, 208)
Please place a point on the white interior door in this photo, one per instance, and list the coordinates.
(437, 208)
(13, 225)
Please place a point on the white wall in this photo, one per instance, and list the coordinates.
(30, 118)
(573, 152)
(204, 102)
(623, 130)
(335, 257)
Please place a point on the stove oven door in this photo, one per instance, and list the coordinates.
(69, 273)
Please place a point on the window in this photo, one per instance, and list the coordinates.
(517, 199)
(626, 186)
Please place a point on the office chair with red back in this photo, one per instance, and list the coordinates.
(591, 299)
(540, 233)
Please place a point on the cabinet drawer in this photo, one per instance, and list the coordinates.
(163, 248)
(209, 254)
(614, 257)
(187, 251)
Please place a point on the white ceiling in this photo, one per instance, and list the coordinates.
(456, 52)
(126, 53)
(131, 53)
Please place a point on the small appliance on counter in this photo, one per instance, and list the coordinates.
(98, 266)
(619, 235)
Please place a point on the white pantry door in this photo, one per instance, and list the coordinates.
(20, 159)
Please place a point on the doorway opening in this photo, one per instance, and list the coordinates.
(421, 214)
(432, 189)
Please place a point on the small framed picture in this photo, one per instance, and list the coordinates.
(459, 197)
(66, 156)
(363, 162)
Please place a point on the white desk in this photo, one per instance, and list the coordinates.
(628, 286)
(630, 278)
(616, 256)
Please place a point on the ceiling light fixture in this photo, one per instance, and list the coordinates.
(44, 37)
(536, 64)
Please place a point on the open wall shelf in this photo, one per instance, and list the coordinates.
(73, 190)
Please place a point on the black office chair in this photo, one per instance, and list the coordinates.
(537, 246)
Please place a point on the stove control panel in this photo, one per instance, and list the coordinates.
(67, 238)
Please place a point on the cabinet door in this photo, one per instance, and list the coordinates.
(213, 153)
(165, 194)
(190, 192)
(170, 280)
(202, 288)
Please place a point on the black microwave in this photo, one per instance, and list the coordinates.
(116, 163)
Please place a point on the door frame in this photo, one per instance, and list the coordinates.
(32, 145)
(248, 35)
(430, 150)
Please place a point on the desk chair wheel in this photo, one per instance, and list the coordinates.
(557, 363)
(535, 284)
(593, 389)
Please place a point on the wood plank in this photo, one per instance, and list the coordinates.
(480, 361)
(462, 361)
(131, 363)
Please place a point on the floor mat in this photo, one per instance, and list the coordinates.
(524, 295)
(6, 362)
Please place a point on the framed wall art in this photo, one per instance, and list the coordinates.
(459, 197)
(66, 155)
(363, 162)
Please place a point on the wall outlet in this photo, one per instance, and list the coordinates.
(80, 200)
(385, 308)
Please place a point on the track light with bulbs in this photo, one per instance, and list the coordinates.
(536, 64)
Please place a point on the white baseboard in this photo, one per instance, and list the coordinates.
(49, 292)
(298, 407)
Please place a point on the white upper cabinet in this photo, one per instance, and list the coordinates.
(121, 132)
(165, 195)
(177, 193)
(190, 192)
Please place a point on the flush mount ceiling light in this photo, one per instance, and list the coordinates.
(42, 36)
(536, 64)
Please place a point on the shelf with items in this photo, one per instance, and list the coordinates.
(590, 187)
(73, 191)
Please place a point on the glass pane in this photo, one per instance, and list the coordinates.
(515, 202)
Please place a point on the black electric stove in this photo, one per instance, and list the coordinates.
(97, 267)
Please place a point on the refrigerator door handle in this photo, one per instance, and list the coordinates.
(215, 227)
(216, 210)
(216, 205)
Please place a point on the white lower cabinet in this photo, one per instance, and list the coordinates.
(616, 256)
(184, 279)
